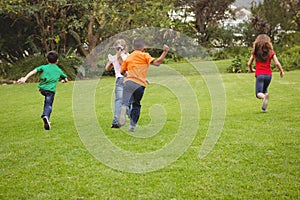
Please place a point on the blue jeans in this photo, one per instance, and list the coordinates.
(132, 96)
(118, 98)
(262, 83)
(48, 102)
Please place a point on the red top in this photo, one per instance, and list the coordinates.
(264, 67)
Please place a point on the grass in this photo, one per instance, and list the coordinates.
(256, 156)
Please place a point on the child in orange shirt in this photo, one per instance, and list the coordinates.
(136, 65)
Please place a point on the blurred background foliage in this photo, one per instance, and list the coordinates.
(74, 28)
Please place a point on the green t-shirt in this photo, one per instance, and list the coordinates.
(50, 75)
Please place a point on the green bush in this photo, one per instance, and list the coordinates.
(290, 59)
(220, 55)
(22, 67)
(238, 65)
(70, 65)
(232, 52)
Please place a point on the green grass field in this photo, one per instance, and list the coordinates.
(257, 155)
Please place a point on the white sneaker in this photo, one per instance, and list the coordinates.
(46, 123)
(265, 103)
(122, 116)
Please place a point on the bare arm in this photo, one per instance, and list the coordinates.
(250, 63)
(278, 65)
(159, 60)
(24, 79)
(123, 72)
(108, 66)
(123, 67)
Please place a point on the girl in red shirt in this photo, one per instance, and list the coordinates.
(263, 54)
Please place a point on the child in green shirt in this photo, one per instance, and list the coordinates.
(50, 75)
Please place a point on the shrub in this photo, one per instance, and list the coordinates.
(238, 65)
(70, 65)
(220, 55)
(22, 67)
(290, 59)
(232, 52)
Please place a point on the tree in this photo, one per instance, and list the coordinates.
(111, 17)
(63, 24)
(274, 16)
(292, 7)
(14, 38)
(207, 13)
(49, 17)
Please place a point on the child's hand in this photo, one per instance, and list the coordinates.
(251, 69)
(281, 74)
(166, 48)
(21, 80)
(64, 80)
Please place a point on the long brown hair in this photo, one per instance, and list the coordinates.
(262, 47)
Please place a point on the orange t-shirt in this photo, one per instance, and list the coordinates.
(136, 65)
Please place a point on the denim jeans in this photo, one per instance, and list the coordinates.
(118, 98)
(132, 96)
(262, 83)
(49, 98)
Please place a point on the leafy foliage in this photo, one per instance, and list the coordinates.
(207, 13)
(238, 65)
(290, 59)
(273, 16)
(34, 27)
(230, 53)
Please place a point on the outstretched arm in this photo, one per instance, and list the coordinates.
(24, 79)
(278, 65)
(159, 60)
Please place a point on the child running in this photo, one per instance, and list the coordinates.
(50, 75)
(263, 54)
(136, 66)
(115, 62)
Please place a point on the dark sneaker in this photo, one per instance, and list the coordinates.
(122, 116)
(46, 123)
(115, 126)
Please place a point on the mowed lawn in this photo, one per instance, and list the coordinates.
(257, 155)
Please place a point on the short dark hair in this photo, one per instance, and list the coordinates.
(139, 43)
(52, 56)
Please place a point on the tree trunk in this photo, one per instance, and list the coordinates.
(43, 31)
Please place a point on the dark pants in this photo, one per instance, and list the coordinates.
(262, 83)
(49, 98)
(132, 95)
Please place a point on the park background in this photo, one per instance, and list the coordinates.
(226, 29)
(257, 154)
